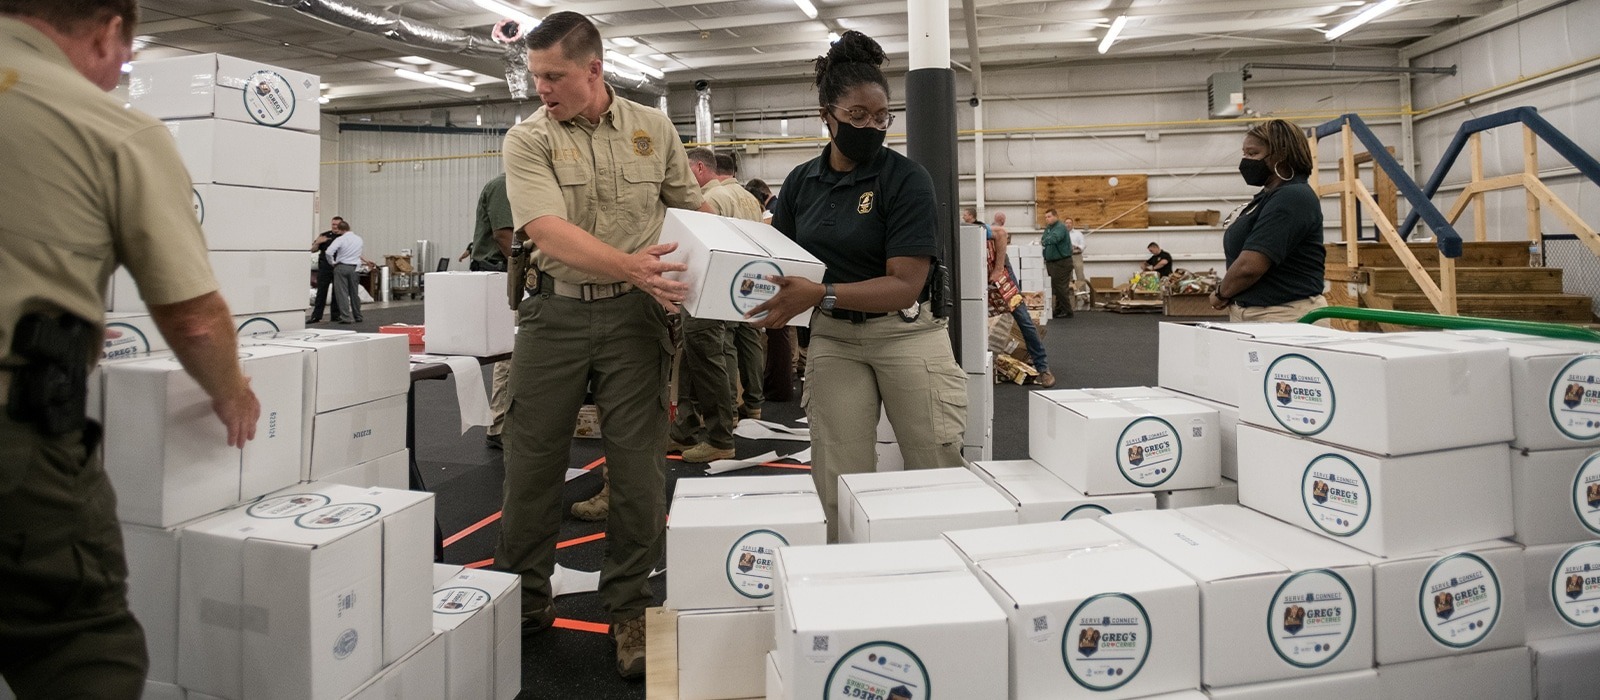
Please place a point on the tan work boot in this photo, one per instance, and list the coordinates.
(629, 638)
(595, 509)
(675, 446)
(704, 452)
(751, 413)
(1046, 379)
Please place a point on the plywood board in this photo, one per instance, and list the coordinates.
(1093, 201)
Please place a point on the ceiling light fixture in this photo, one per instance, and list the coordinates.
(630, 62)
(416, 60)
(620, 73)
(322, 86)
(505, 10)
(626, 42)
(806, 7)
(1372, 12)
(1111, 34)
(433, 80)
(833, 37)
(127, 67)
(324, 100)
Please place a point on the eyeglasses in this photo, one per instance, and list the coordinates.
(861, 119)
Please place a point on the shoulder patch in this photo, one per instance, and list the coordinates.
(642, 144)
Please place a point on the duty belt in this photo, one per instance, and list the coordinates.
(583, 292)
(853, 316)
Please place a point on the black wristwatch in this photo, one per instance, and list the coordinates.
(829, 299)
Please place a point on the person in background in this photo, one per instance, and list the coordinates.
(89, 186)
(703, 428)
(465, 252)
(319, 245)
(997, 240)
(778, 384)
(490, 246)
(749, 347)
(763, 194)
(598, 317)
(868, 213)
(1274, 248)
(1057, 244)
(345, 254)
(1160, 261)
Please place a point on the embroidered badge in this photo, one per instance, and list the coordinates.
(865, 204)
(642, 145)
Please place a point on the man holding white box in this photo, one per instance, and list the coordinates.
(105, 187)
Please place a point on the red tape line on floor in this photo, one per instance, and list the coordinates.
(582, 626)
(474, 528)
(581, 540)
(480, 564)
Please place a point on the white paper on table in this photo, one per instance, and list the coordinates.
(470, 395)
(569, 581)
(723, 466)
(751, 429)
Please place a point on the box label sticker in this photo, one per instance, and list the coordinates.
(878, 671)
(287, 506)
(1106, 641)
(1336, 495)
(1311, 618)
(459, 600)
(268, 98)
(1459, 600)
(258, 324)
(346, 644)
(123, 340)
(749, 564)
(1299, 394)
(1586, 493)
(340, 515)
(752, 286)
(199, 206)
(1087, 511)
(1149, 452)
(1575, 398)
(1575, 585)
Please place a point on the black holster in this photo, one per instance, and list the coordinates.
(51, 390)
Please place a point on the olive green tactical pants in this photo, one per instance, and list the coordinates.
(750, 346)
(705, 385)
(623, 346)
(908, 369)
(65, 629)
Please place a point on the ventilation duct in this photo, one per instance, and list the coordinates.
(702, 112)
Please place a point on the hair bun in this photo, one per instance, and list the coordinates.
(852, 47)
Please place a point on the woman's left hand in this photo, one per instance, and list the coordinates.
(1217, 302)
(796, 295)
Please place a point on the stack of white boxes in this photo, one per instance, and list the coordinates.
(1028, 262)
(917, 504)
(722, 540)
(978, 440)
(479, 613)
(1128, 440)
(1042, 497)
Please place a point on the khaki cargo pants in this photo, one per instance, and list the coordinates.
(908, 369)
(1281, 313)
(65, 629)
(623, 346)
(705, 385)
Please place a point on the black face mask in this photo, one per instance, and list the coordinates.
(859, 144)
(1256, 172)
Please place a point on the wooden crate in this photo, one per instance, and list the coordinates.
(1091, 201)
(1190, 305)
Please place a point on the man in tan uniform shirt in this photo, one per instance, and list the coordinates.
(103, 186)
(590, 176)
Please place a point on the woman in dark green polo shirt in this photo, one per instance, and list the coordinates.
(868, 214)
(1274, 247)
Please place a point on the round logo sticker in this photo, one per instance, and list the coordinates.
(1335, 494)
(1311, 618)
(346, 644)
(258, 324)
(1459, 600)
(459, 600)
(1106, 642)
(753, 286)
(1087, 511)
(268, 98)
(199, 206)
(1575, 585)
(1575, 398)
(750, 563)
(1149, 451)
(287, 506)
(878, 671)
(1299, 394)
(123, 340)
(1585, 492)
(340, 515)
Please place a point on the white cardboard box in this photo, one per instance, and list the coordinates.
(722, 653)
(1563, 589)
(1317, 596)
(391, 471)
(1041, 496)
(1088, 611)
(1227, 427)
(355, 435)
(153, 690)
(1336, 686)
(213, 85)
(1206, 360)
(1555, 389)
(730, 262)
(134, 334)
(1127, 440)
(253, 283)
(348, 368)
(775, 689)
(1382, 384)
(152, 556)
(479, 613)
(252, 218)
(466, 314)
(1384, 505)
(1225, 493)
(1556, 495)
(419, 675)
(1505, 674)
(724, 531)
(1449, 603)
(271, 322)
(218, 151)
(917, 505)
(879, 616)
(1564, 669)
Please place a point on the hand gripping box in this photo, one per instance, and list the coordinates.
(1384, 505)
(731, 263)
(1555, 389)
(213, 85)
(1563, 589)
(917, 505)
(466, 314)
(1451, 602)
(1088, 611)
(1504, 674)
(722, 653)
(1206, 359)
(1334, 686)
(1564, 669)
(888, 620)
(1042, 497)
(479, 612)
(724, 531)
(304, 594)
(1555, 495)
(1131, 440)
(1276, 603)
(222, 152)
(1372, 394)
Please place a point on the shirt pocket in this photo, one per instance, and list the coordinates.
(641, 183)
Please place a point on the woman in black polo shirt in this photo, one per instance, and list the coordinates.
(1274, 248)
(868, 214)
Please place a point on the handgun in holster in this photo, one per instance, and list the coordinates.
(51, 390)
(521, 275)
(941, 295)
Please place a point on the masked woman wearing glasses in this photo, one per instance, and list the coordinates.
(868, 214)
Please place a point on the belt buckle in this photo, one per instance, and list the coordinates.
(586, 293)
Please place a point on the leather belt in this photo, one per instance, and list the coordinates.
(583, 292)
(853, 316)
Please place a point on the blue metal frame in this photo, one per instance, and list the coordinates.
(1421, 203)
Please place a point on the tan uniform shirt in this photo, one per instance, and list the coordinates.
(87, 184)
(614, 179)
(731, 199)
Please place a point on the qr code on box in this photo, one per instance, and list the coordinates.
(1041, 624)
(819, 643)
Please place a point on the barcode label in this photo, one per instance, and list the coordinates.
(1197, 431)
(1254, 356)
(819, 642)
(1041, 624)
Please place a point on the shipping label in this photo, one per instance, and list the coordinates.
(749, 563)
(1336, 495)
(1149, 452)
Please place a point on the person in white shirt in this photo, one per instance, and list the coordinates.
(345, 254)
(1075, 235)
